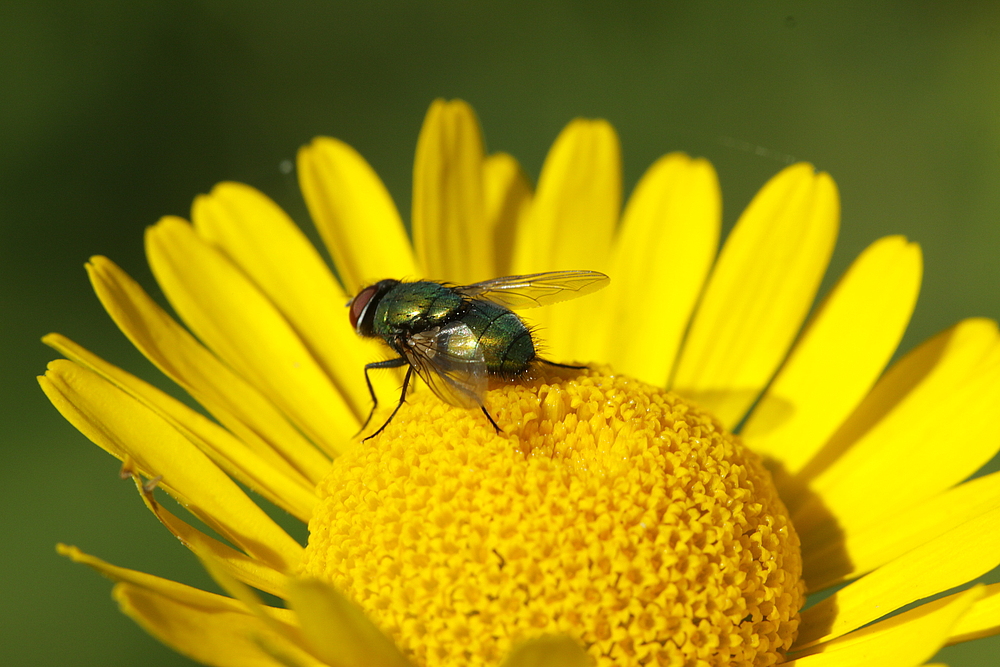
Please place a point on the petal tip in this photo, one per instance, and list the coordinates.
(49, 336)
(69, 551)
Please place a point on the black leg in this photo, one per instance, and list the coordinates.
(552, 363)
(499, 430)
(402, 398)
(375, 365)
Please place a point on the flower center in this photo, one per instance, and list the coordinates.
(608, 510)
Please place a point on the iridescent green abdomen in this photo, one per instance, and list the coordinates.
(505, 341)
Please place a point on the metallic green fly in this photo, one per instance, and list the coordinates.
(455, 337)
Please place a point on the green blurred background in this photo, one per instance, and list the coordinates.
(115, 113)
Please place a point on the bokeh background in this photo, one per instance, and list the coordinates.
(115, 113)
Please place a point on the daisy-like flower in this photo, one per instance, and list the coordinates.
(617, 519)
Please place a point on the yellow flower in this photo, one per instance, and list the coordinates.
(612, 522)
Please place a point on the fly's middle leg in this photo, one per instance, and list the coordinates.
(486, 412)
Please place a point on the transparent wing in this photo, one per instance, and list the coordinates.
(450, 361)
(536, 289)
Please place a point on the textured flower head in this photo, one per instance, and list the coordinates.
(616, 519)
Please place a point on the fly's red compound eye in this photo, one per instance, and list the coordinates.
(360, 303)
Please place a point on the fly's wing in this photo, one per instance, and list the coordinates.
(450, 361)
(536, 289)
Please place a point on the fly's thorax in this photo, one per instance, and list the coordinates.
(506, 342)
(416, 306)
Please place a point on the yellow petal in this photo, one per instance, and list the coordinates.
(577, 202)
(211, 636)
(983, 620)
(839, 356)
(236, 404)
(507, 198)
(223, 576)
(931, 420)
(151, 582)
(548, 652)
(905, 640)
(346, 641)
(206, 627)
(450, 232)
(123, 427)
(271, 477)
(337, 630)
(951, 559)
(230, 315)
(570, 226)
(280, 652)
(831, 557)
(246, 569)
(354, 214)
(759, 292)
(668, 239)
(273, 252)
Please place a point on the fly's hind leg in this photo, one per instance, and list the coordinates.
(375, 365)
(402, 397)
(557, 365)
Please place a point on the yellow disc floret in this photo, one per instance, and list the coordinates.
(608, 510)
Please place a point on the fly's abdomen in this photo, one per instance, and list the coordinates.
(506, 343)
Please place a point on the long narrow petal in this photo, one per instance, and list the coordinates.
(230, 315)
(124, 428)
(759, 292)
(506, 198)
(668, 239)
(951, 559)
(271, 477)
(240, 407)
(206, 627)
(548, 652)
(354, 214)
(343, 638)
(832, 557)
(840, 355)
(211, 636)
(931, 420)
(983, 620)
(570, 226)
(450, 232)
(247, 596)
(263, 241)
(906, 640)
(248, 570)
(297, 658)
(337, 630)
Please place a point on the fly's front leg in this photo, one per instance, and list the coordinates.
(402, 399)
(375, 365)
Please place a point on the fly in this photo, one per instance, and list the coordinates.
(455, 337)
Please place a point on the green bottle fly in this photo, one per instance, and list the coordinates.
(454, 337)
